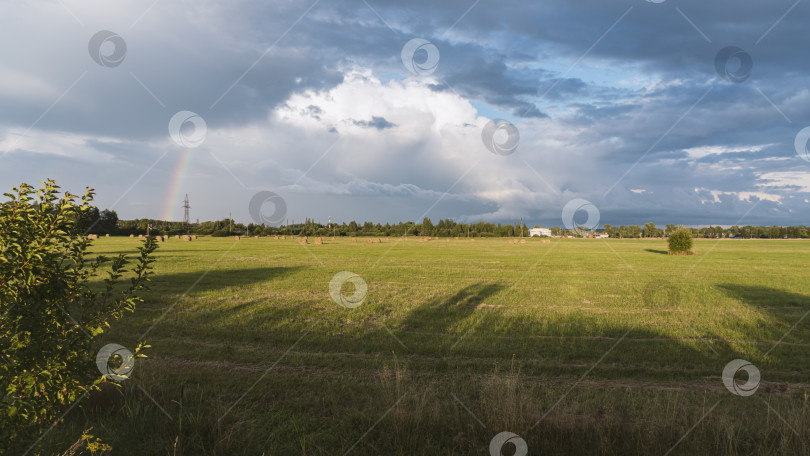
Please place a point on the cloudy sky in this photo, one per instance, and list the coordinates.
(675, 111)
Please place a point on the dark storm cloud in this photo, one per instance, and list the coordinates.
(635, 80)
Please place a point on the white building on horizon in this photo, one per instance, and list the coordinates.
(539, 232)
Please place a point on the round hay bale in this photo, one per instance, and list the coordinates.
(132, 235)
(275, 237)
(255, 237)
(177, 236)
(523, 241)
(194, 236)
(318, 241)
(236, 238)
(141, 236)
(368, 241)
(378, 241)
(186, 238)
(283, 237)
(472, 240)
(107, 235)
(354, 240)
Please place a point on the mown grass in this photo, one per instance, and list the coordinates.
(578, 346)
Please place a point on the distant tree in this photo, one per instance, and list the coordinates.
(650, 229)
(86, 220)
(427, 227)
(107, 222)
(680, 242)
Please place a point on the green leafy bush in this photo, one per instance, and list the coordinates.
(680, 242)
(50, 318)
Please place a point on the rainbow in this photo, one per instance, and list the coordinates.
(173, 198)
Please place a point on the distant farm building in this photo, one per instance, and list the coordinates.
(540, 232)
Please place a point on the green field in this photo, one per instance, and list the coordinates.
(578, 346)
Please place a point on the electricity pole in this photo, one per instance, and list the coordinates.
(186, 207)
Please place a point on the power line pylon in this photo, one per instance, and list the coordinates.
(186, 207)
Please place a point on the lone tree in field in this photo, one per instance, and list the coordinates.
(680, 242)
(50, 318)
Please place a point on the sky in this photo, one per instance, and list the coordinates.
(553, 113)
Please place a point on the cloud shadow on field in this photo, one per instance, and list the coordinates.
(552, 352)
(576, 338)
(758, 296)
(442, 313)
(785, 309)
(167, 283)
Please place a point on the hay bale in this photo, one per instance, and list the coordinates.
(186, 238)
(354, 240)
(275, 237)
(159, 238)
(368, 241)
(318, 241)
(472, 240)
(512, 241)
(194, 236)
(236, 238)
(177, 236)
(92, 236)
(545, 241)
(107, 235)
(132, 235)
(141, 236)
(283, 237)
(302, 240)
(255, 237)
(378, 241)
(523, 241)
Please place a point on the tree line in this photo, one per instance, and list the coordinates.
(107, 222)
